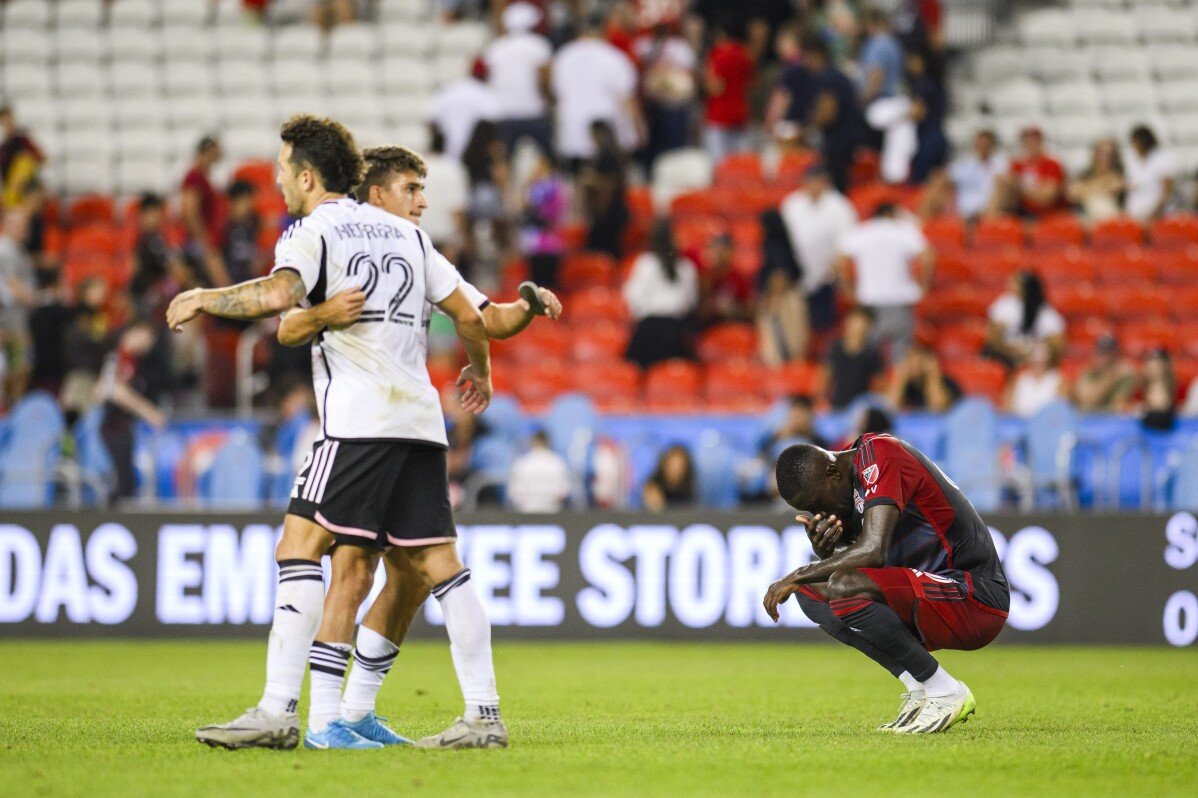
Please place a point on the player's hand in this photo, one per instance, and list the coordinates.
(779, 592)
(823, 532)
(343, 309)
(476, 391)
(183, 308)
(553, 305)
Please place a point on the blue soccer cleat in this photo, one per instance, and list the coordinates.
(338, 737)
(372, 727)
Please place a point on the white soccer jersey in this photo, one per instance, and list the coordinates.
(371, 379)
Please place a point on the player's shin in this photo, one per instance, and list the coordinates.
(374, 655)
(880, 626)
(821, 613)
(299, 603)
(470, 645)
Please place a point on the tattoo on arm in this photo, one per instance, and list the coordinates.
(256, 299)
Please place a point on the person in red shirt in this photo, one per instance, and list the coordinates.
(727, 75)
(725, 292)
(199, 205)
(1036, 184)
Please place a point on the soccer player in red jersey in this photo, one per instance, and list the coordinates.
(918, 570)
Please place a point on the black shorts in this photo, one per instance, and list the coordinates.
(376, 494)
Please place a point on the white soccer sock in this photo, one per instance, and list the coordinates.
(910, 682)
(299, 603)
(326, 665)
(940, 684)
(470, 644)
(373, 657)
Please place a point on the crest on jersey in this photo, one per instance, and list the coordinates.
(870, 474)
(858, 502)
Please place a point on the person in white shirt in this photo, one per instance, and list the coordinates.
(518, 63)
(594, 81)
(379, 474)
(1020, 318)
(891, 266)
(662, 294)
(540, 479)
(1149, 173)
(446, 221)
(817, 216)
(1036, 385)
(669, 83)
(458, 106)
(973, 175)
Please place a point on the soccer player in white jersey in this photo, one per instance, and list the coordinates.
(380, 465)
(394, 181)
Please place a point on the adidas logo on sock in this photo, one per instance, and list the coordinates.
(289, 608)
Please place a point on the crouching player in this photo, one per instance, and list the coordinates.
(919, 571)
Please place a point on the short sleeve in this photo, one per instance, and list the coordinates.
(440, 277)
(1049, 322)
(473, 295)
(301, 249)
(916, 240)
(848, 244)
(883, 471)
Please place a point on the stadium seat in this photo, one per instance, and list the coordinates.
(1080, 97)
(739, 169)
(1176, 231)
(1018, 98)
(607, 380)
(961, 341)
(952, 268)
(133, 13)
(979, 377)
(715, 472)
(570, 423)
(1118, 69)
(1047, 27)
(587, 270)
(91, 209)
(672, 379)
(30, 454)
(540, 382)
(728, 342)
(692, 233)
(1057, 231)
(1080, 302)
(1117, 232)
(1141, 301)
(1073, 266)
(28, 14)
(1005, 231)
(798, 377)
(1156, 24)
(537, 343)
(1185, 301)
(680, 170)
(1050, 434)
(993, 268)
(746, 233)
(640, 202)
(698, 203)
(868, 196)
(296, 42)
(1187, 333)
(1140, 337)
(1123, 265)
(793, 166)
(735, 380)
(237, 475)
(953, 304)
(971, 449)
(596, 304)
(945, 231)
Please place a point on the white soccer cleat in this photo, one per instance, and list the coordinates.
(941, 713)
(468, 734)
(912, 703)
(257, 728)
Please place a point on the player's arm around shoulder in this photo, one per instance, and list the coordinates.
(253, 299)
(301, 325)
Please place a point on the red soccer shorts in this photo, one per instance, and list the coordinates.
(936, 609)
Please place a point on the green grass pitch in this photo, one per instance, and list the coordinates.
(116, 719)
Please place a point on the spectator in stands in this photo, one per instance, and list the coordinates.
(458, 107)
(29, 215)
(447, 220)
(546, 204)
(1158, 410)
(783, 328)
(835, 22)
(621, 28)
(49, 322)
(87, 342)
(727, 74)
(199, 208)
(919, 384)
(870, 419)
(854, 363)
(486, 165)
(886, 264)
(328, 14)
(539, 481)
(672, 483)
(1107, 383)
(18, 293)
(244, 259)
(725, 293)
(20, 159)
(1099, 190)
(974, 176)
(662, 294)
(1035, 185)
(669, 86)
(798, 425)
(817, 216)
(821, 100)
(1021, 318)
(1150, 176)
(518, 63)
(158, 272)
(603, 183)
(929, 107)
(135, 378)
(880, 62)
(1035, 385)
(593, 81)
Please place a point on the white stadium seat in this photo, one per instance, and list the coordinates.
(33, 14)
(86, 175)
(1179, 96)
(140, 113)
(1129, 98)
(678, 171)
(79, 45)
(305, 77)
(228, 12)
(237, 77)
(183, 78)
(1054, 65)
(247, 111)
(133, 13)
(252, 142)
(1173, 62)
(401, 110)
(357, 111)
(1158, 24)
(135, 45)
(135, 175)
(26, 80)
(464, 38)
(188, 44)
(358, 41)
(296, 42)
(353, 77)
(192, 113)
(82, 143)
(1018, 97)
(450, 66)
(185, 14)
(406, 74)
(403, 10)
(1184, 129)
(998, 62)
(137, 144)
(1078, 131)
(1049, 27)
(407, 41)
(1103, 27)
(86, 113)
(39, 114)
(80, 80)
(412, 136)
(22, 46)
(1075, 159)
(1121, 65)
(135, 80)
(1073, 99)
(240, 43)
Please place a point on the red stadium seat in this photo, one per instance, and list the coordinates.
(866, 198)
(1003, 231)
(1178, 267)
(1187, 333)
(693, 203)
(994, 267)
(640, 202)
(574, 235)
(952, 268)
(541, 382)
(595, 304)
(945, 231)
(91, 209)
(865, 168)
(736, 380)
(1072, 266)
(602, 342)
(1083, 334)
(1123, 265)
(1184, 301)
(1117, 232)
(953, 304)
(1058, 230)
(587, 270)
(538, 342)
(739, 202)
(961, 341)
(95, 240)
(1079, 303)
(671, 379)
(692, 233)
(1141, 301)
(1139, 338)
(979, 377)
(608, 380)
(746, 232)
(739, 169)
(793, 166)
(259, 172)
(1175, 231)
(794, 378)
(728, 342)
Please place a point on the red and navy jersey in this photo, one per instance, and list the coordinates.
(938, 530)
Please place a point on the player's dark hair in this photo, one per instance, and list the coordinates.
(1143, 135)
(797, 469)
(326, 147)
(384, 164)
(1032, 291)
(664, 249)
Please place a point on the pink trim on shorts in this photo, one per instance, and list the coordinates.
(394, 541)
(344, 530)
